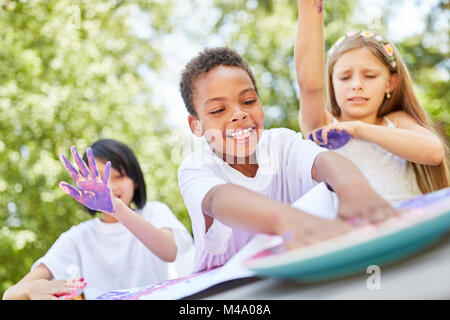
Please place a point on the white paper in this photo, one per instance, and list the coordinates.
(318, 201)
(189, 285)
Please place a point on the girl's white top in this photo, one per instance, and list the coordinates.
(392, 177)
(108, 256)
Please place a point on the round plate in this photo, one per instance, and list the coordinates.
(422, 222)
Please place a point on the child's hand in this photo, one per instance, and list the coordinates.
(43, 289)
(362, 207)
(300, 230)
(334, 135)
(93, 192)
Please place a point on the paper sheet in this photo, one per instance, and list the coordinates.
(319, 201)
(194, 283)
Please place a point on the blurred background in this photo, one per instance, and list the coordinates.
(72, 72)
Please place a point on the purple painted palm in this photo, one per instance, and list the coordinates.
(336, 138)
(92, 192)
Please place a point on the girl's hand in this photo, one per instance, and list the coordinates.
(299, 230)
(43, 289)
(93, 191)
(334, 135)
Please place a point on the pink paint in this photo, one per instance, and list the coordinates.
(133, 295)
(75, 292)
(268, 252)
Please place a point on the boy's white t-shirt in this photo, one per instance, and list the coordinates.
(285, 161)
(108, 256)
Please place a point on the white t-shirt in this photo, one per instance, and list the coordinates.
(285, 161)
(108, 256)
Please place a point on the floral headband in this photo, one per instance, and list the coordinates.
(387, 46)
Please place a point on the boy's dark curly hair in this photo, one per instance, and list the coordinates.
(203, 63)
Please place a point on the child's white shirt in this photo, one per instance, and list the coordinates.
(285, 161)
(108, 256)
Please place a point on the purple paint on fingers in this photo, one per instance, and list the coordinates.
(69, 167)
(287, 236)
(92, 166)
(318, 135)
(320, 6)
(106, 173)
(71, 191)
(336, 138)
(80, 163)
(91, 192)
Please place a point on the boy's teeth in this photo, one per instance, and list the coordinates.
(239, 132)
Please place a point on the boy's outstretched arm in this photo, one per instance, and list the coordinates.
(357, 199)
(309, 57)
(244, 209)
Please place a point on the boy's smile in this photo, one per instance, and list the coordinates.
(230, 116)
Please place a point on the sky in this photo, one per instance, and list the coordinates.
(189, 38)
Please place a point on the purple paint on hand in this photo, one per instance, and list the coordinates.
(336, 138)
(287, 236)
(320, 6)
(92, 192)
(319, 137)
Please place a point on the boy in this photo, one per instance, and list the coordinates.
(246, 180)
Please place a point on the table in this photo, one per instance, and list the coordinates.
(425, 275)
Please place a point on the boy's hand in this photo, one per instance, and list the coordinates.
(300, 230)
(93, 191)
(361, 207)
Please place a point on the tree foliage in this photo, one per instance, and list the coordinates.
(69, 75)
(264, 33)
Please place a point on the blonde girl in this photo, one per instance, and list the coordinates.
(370, 113)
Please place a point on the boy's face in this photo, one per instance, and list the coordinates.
(230, 116)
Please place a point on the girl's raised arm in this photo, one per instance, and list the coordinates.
(309, 58)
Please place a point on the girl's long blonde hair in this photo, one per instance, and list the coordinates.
(429, 178)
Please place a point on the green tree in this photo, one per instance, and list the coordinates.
(69, 75)
(427, 57)
(264, 32)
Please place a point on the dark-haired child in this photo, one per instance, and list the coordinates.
(247, 179)
(103, 251)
